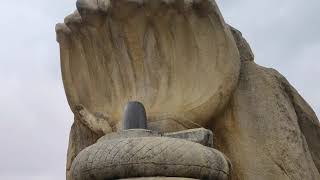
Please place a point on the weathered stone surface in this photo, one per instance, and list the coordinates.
(97, 122)
(130, 133)
(80, 138)
(200, 135)
(244, 48)
(149, 157)
(307, 119)
(155, 52)
(180, 59)
(262, 133)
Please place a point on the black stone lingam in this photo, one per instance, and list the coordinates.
(136, 152)
(134, 116)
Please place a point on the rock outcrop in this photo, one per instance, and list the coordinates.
(190, 69)
(261, 129)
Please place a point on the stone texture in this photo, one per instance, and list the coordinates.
(200, 135)
(244, 48)
(80, 138)
(149, 157)
(155, 52)
(130, 133)
(307, 119)
(268, 131)
(184, 67)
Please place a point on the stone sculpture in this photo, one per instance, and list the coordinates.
(143, 153)
(137, 152)
(190, 70)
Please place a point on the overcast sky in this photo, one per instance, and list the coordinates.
(34, 115)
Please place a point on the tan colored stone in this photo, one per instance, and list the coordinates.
(80, 137)
(307, 119)
(244, 48)
(260, 130)
(178, 58)
(101, 53)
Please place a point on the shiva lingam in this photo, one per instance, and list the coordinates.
(136, 152)
(190, 69)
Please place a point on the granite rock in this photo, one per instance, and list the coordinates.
(268, 131)
(191, 70)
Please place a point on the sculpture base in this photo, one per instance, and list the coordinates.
(143, 153)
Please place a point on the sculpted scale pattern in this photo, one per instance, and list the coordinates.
(190, 69)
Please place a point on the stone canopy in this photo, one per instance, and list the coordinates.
(190, 70)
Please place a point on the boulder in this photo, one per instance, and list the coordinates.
(268, 131)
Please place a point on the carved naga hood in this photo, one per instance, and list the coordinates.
(178, 58)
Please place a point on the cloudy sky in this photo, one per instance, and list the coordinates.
(34, 115)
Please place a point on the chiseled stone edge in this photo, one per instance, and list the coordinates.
(87, 11)
(200, 135)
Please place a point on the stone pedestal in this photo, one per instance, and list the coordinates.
(144, 153)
